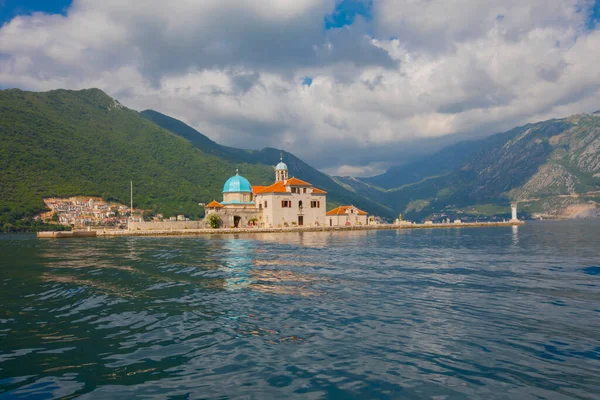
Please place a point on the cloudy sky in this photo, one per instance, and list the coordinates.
(351, 86)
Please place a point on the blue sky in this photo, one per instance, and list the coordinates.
(344, 13)
(595, 17)
(11, 8)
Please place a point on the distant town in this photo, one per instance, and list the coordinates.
(84, 211)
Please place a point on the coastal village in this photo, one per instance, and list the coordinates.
(83, 211)
(80, 212)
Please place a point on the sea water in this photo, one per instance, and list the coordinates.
(482, 313)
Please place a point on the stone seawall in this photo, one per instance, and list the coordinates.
(165, 225)
(237, 231)
(66, 234)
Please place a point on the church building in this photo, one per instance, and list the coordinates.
(287, 202)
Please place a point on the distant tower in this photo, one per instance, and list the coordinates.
(513, 207)
(281, 171)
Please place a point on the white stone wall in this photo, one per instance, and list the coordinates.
(276, 216)
(228, 213)
(164, 225)
(342, 220)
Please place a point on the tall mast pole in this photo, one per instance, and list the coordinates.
(131, 213)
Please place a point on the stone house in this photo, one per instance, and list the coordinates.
(347, 216)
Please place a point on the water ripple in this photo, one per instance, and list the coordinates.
(461, 313)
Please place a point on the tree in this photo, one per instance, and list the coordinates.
(55, 217)
(214, 221)
(148, 215)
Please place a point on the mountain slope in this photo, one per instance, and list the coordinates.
(551, 167)
(63, 143)
(337, 194)
(441, 162)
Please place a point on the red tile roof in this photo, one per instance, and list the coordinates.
(341, 210)
(277, 187)
(296, 182)
(280, 187)
(214, 204)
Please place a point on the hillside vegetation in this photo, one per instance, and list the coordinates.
(65, 143)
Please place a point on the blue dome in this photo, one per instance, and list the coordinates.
(281, 167)
(236, 184)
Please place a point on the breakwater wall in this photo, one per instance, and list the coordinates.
(165, 225)
(237, 231)
(66, 234)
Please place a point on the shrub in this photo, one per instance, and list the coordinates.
(214, 221)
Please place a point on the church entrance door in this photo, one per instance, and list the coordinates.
(236, 221)
(300, 220)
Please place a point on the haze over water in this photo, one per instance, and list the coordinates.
(491, 313)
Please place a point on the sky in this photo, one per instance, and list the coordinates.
(350, 86)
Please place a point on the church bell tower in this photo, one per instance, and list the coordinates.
(281, 171)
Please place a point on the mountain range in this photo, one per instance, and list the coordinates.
(551, 168)
(66, 143)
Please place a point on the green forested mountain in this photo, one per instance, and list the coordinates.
(552, 168)
(65, 143)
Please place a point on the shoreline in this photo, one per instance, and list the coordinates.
(237, 231)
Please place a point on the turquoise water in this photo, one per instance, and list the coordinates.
(486, 313)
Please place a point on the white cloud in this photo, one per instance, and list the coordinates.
(234, 69)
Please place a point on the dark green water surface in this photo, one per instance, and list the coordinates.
(483, 313)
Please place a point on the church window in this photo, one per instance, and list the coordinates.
(265, 204)
(304, 190)
(294, 190)
(286, 204)
(315, 204)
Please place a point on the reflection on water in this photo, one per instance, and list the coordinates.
(456, 313)
(238, 263)
(244, 271)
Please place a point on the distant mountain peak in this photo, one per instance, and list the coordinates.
(596, 112)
